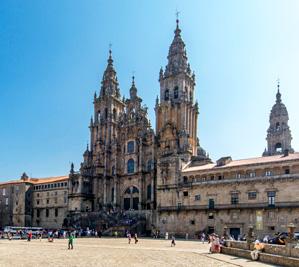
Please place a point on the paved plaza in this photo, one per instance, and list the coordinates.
(113, 252)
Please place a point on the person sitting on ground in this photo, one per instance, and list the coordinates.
(258, 248)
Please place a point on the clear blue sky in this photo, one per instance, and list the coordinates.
(53, 53)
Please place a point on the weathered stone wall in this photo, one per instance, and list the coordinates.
(273, 254)
(6, 205)
(181, 220)
(50, 205)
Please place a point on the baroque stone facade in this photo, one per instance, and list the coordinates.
(165, 175)
(118, 169)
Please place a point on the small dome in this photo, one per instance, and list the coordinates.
(278, 110)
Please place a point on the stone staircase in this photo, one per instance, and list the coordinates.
(109, 222)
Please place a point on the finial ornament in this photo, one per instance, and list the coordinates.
(278, 95)
(133, 77)
(72, 168)
(110, 53)
(177, 16)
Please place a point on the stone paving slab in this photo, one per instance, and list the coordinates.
(113, 252)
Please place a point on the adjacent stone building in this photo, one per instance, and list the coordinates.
(50, 202)
(34, 202)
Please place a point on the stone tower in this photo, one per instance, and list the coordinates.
(176, 115)
(92, 187)
(279, 134)
(118, 168)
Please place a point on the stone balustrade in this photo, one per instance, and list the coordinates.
(274, 254)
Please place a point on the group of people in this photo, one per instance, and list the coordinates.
(129, 236)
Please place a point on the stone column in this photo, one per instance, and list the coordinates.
(115, 189)
(140, 155)
(105, 191)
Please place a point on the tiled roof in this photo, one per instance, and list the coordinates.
(49, 179)
(243, 162)
(11, 182)
(37, 180)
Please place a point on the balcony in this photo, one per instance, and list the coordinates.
(228, 180)
(265, 205)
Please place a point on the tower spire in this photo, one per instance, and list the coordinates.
(133, 89)
(279, 134)
(109, 81)
(278, 94)
(177, 56)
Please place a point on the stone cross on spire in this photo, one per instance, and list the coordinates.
(278, 94)
(177, 16)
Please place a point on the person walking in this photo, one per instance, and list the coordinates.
(166, 236)
(71, 241)
(172, 241)
(203, 237)
(187, 236)
(135, 238)
(29, 236)
(40, 235)
(129, 237)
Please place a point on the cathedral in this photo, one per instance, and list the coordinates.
(119, 169)
(129, 166)
(162, 177)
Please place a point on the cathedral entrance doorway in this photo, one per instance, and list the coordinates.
(131, 198)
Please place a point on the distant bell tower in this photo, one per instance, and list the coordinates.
(279, 134)
(176, 113)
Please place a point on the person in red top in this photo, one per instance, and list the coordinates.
(29, 236)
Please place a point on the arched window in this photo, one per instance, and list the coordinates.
(166, 95)
(131, 198)
(149, 191)
(176, 92)
(135, 190)
(112, 194)
(128, 190)
(185, 179)
(130, 147)
(278, 147)
(277, 126)
(130, 166)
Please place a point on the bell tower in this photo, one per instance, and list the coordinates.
(279, 134)
(176, 112)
